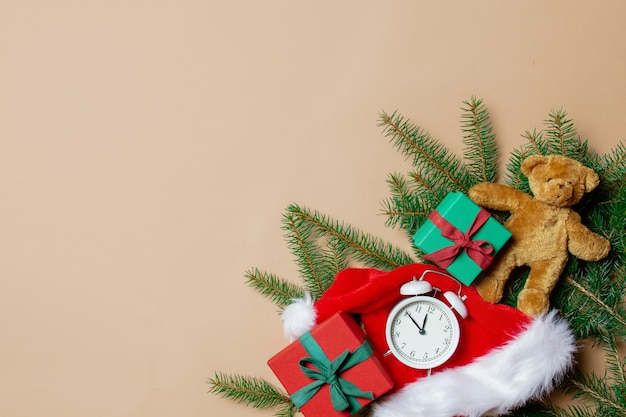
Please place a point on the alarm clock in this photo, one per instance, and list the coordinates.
(422, 330)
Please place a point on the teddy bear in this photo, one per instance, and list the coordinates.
(544, 228)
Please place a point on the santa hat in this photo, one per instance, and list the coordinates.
(504, 358)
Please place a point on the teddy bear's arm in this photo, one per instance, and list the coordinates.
(498, 196)
(583, 243)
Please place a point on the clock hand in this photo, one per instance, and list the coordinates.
(424, 323)
(414, 322)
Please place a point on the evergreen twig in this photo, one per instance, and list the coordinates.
(536, 143)
(334, 258)
(602, 397)
(251, 391)
(278, 290)
(372, 251)
(440, 167)
(481, 149)
(592, 304)
(562, 137)
(616, 366)
(613, 165)
(514, 177)
(402, 208)
(302, 241)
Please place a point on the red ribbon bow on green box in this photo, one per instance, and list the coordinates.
(480, 251)
(461, 237)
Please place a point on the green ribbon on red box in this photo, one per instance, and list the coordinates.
(322, 370)
(480, 251)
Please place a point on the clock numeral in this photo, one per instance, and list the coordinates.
(403, 345)
(441, 317)
(431, 309)
(418, 309)
(446, 328)
(437, 351)
(425, 355)
(397, 334)
(412, 354)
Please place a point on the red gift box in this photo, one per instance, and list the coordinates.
(332, 370)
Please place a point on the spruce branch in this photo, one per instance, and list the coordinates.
(400, 192)
(427, 194)
(536, 146)
(514, 177)
(595, 390)
(411, 201)
(616, 366)
(589, 313)
(334, 258)
(302, 241)
(562, 137)
(436, 170)
(613, 165)
(481, 149)
(251, 391)
(365, 248)
(612, 169)
(403, 207)
(436, 163)
(278, 290)
(574, 410)
(536, 143)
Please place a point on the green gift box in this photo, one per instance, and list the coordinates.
(461, 237)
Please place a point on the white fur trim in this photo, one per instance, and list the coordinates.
(298, 317)
(527, 367)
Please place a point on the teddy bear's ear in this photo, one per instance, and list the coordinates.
(592, 180)
(531, 162)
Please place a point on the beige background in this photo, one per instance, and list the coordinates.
(149, 148)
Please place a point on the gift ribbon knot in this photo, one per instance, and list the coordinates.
(323, 371)
(480, 251)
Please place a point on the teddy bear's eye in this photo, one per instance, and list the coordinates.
(549, 179)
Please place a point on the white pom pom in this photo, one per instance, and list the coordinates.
(298, 317)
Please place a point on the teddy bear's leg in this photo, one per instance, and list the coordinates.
(534, 299)
(491, 286)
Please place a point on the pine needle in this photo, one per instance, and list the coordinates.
(481, 149)
(514, 176)
(403, 208)
(370, 250)
(278, 290)
(251, 391)
(594, 389)
(437, 164)
(334, 258)
(562, 137)
(302, 239)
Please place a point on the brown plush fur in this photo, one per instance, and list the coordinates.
(544, 228)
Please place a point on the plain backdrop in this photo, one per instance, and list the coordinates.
(148, 150)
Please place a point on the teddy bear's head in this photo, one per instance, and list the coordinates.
(557, 180)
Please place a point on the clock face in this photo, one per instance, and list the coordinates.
(422, 332)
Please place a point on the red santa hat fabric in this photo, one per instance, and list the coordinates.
(504, 357)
